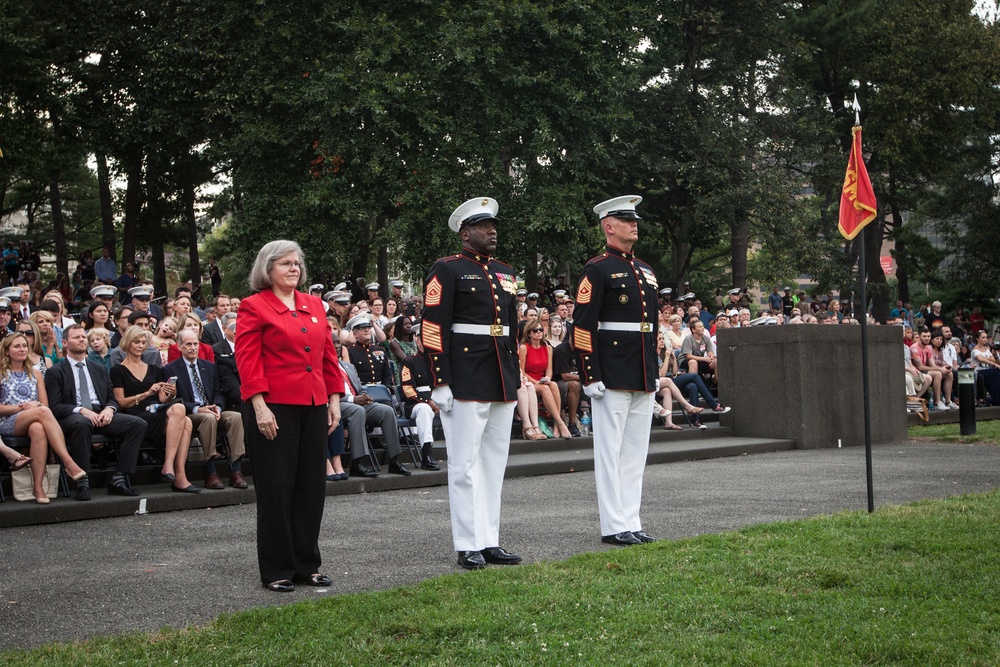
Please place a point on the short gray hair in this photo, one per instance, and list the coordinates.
(260, 274)
(227, 319)
(180, 334)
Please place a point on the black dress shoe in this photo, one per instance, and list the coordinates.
(471, 560)
(427, 460)
(82, 492)
(361, 470)
(498, 556)
(643, 537)
(625, 539)
(313, 580)
(397, 468)
(574, 430)
(190, 488)
(280, 586)
(120, 488)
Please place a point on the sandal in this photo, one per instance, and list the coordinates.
(695, 411)
(564, 431)
(660, 411)
(535, 433)
(673, 427)
(20, 463)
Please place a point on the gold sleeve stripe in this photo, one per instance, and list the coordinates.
(405, 374)
(432, 295)
(409, 391)
(582, 341)
(584, 291)
(430, 333)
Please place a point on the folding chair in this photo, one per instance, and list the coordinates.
(380, 394)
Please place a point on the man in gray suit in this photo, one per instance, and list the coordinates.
(371, 414)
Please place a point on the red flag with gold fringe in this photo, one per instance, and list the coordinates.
(857, 199)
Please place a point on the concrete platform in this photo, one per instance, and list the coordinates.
(951, 416)
(527, 459)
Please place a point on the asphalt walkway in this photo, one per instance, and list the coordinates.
(70, 581)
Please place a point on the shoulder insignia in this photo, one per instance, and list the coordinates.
(430, 333)
(582, 340)
(584, 291)
(405, 374)
(432, 295)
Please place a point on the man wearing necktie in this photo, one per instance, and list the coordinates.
(198, 388)
(81, 398)
(375, 414)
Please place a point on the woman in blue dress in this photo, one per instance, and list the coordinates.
(24, 412)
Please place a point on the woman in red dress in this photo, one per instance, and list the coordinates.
(536, 363)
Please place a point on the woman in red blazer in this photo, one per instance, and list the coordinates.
(291, 387)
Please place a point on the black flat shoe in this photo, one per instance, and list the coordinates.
(190, 488)
(471, 560)
(167, 476)
(643, 537)
(625, 539)
(314, 580)
(498, 556)
(280, 586)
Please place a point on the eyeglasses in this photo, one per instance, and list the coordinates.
(26, 333)
(288, 264)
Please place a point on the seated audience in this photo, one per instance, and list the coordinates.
(99, 346)
(139, 386)
(697, 349)
(35, 357)
(922, 354)
(418, 406)
(987, 367)
(51, 346)
(199, 390)
(536, 362)
(82, 400)
(567, 377)
(372, 414)
(225, 363)
(151, 356)
(191, 321)
(164, 338)
(24, 412)
(213, 332)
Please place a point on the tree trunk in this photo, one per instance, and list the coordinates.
(107, 211)
(878, 290)
(191, 228)
(157, 255)
(740, 240)
(901, 276)
(363, 247)
(383, 271)
(58, 228)
(133, 207)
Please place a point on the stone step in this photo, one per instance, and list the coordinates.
(528, 458)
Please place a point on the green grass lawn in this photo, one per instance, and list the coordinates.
(987, 432)
(912, 585)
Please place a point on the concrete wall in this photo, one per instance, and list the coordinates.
(803, 382)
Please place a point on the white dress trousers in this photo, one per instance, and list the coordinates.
(423, 415)
(477, 438)
(622, 420)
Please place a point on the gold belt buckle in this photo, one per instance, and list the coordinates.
(645, 327)
(496, 329)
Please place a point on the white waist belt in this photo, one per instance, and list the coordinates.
(425, 387)
(481, 329)
(642, 327)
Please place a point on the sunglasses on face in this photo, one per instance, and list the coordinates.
(537, 330)
(27, 333)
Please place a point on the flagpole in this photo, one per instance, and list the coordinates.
(863, 279)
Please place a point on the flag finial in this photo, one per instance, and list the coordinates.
(856, 107)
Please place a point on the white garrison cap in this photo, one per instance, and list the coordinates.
(12, 293)
(141, 291)
(372, 287)
(362, 320)
(340, 287)
(734, 291)
(397, 284)
(332, 294)
(4, 303)
(666, 291)
(688, 297)
(473, 211)
(106, 291)
(318, 287)
(619, 207)
(533, 295)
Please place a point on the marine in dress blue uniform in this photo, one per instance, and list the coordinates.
(470, 350)
(615, 327)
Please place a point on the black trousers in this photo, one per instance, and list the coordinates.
(289, 477)
(79, 431)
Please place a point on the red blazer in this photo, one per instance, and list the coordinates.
(287, 355)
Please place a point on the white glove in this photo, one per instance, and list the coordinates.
(594, 389)
(657, 384)
(443, 397)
